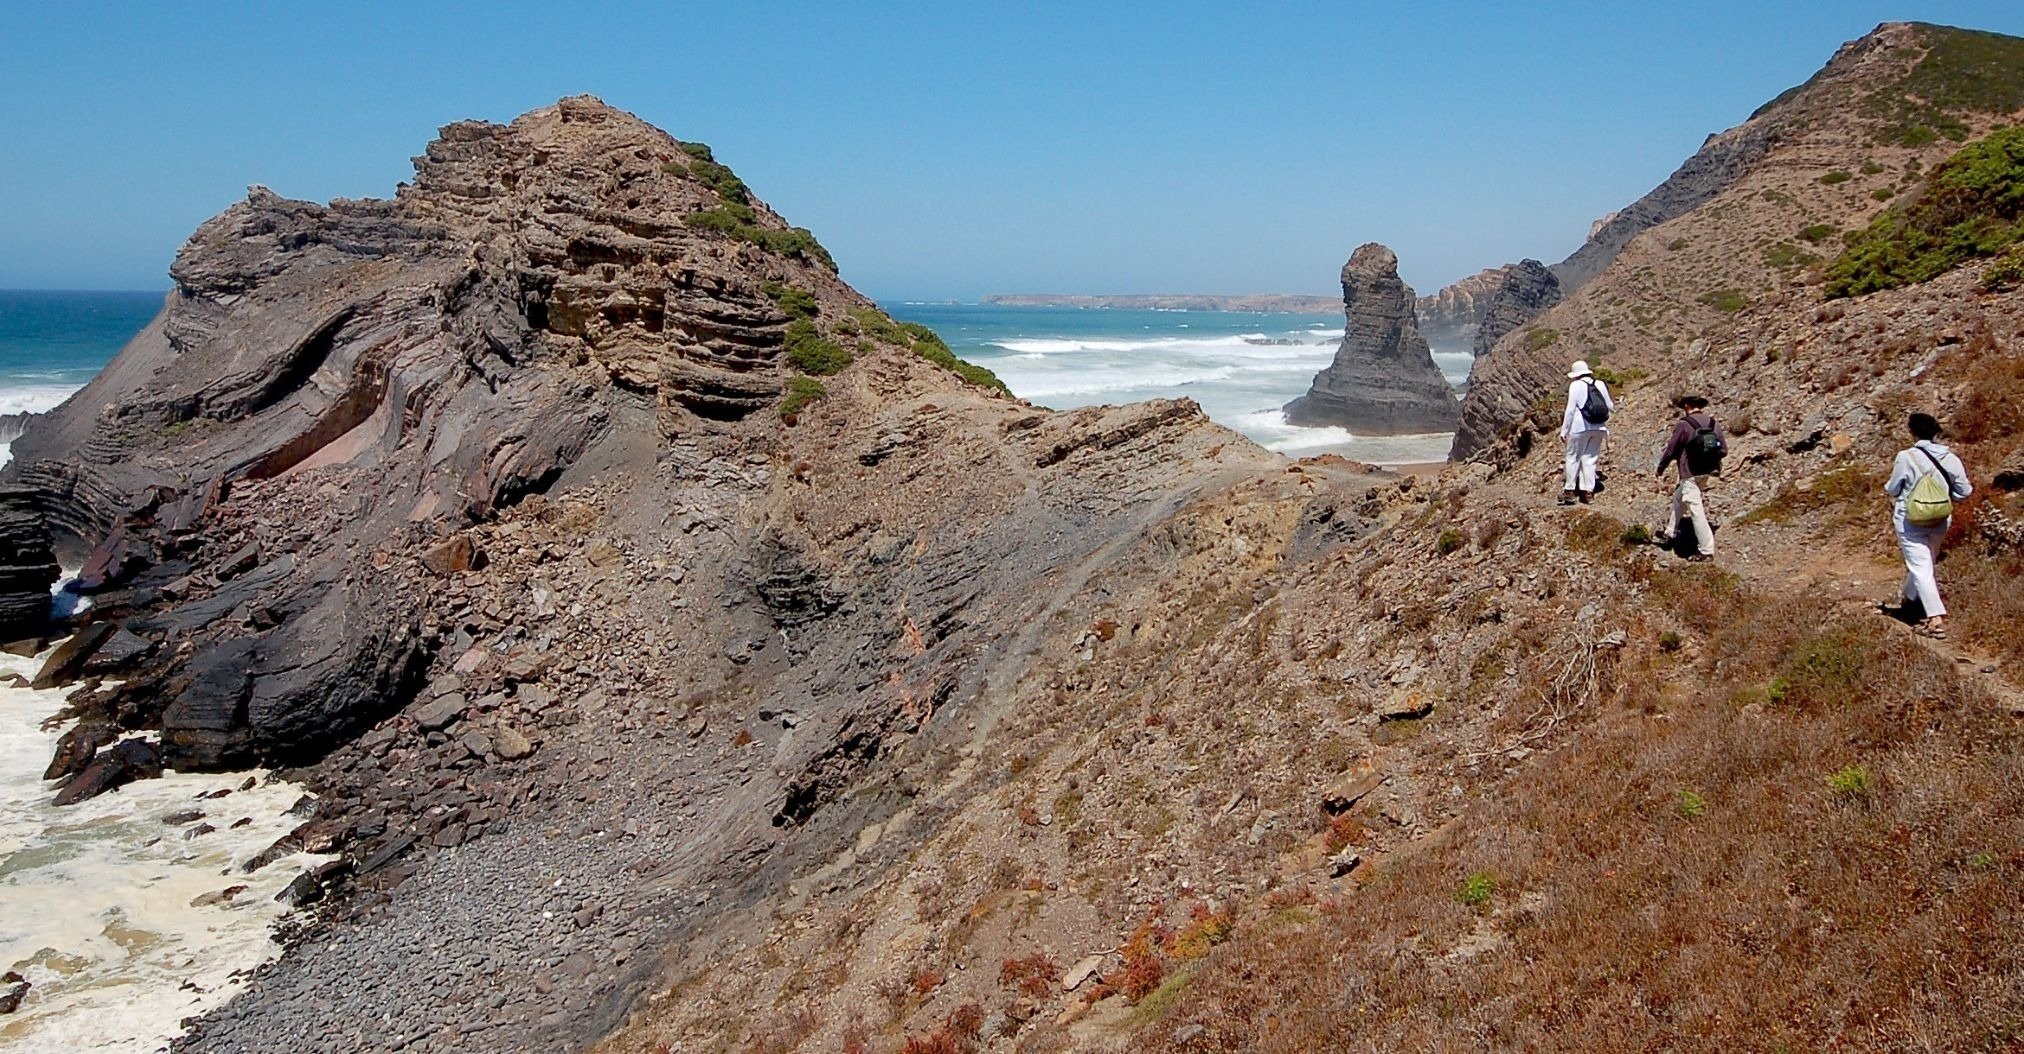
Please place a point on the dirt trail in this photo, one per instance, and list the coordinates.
(1782, 562)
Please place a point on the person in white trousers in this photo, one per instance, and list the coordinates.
(1919, 544)
(1584, 437)
(1690, 508)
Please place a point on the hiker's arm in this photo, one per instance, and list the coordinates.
(1900, 477)
(1568, 413)
(1676, 444)
(1960, 478)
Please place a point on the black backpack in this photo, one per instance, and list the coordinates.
(1706, 449)
(1595, 408)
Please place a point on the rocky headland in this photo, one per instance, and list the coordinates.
(690, 658)
(1383, 380)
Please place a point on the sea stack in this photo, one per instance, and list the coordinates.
(1383, 380)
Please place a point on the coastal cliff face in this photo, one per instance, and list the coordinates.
(1452, 316)
(1383, 380)
(1525, 289)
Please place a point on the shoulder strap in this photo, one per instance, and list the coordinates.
(1944, 474)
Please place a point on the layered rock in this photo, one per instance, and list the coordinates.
(329, 381)
(1450, 317)
(27, 565)
(1383, 380)
(1501, 387)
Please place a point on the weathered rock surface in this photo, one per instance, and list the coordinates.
(1383, 380)
(27, 563)
(127, 761)
(1451, 316)
(1502, 387)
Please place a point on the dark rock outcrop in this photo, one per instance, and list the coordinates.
(1501, 387)
(27, 564)
(1383, 380)
(127, 761)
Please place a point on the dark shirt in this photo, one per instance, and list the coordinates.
(1684, 431)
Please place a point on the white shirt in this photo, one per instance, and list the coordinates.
(1911, 465)
(1571, 422)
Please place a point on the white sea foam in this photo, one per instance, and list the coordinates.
(98, 895)
(29, 399)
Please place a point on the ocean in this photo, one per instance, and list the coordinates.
(1241, 366)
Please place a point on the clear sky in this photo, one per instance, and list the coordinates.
(938, 149)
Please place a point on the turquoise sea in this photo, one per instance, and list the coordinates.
(1241, 366)
(52, 342)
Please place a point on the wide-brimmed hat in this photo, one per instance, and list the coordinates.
(1579, 369)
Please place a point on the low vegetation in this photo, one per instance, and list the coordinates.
(1725, 300)
(1968, 207)
(736, 217)
(921, 341)
(1964, 71)
(810, 352)
(801, 391)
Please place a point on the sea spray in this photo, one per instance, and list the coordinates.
(126, 924)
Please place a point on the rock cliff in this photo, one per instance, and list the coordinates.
(1383, 380)
(1525, 289)
(1449, 318)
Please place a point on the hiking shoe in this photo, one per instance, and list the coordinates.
(1700, 558)
(1566, 497)
(1584, 497)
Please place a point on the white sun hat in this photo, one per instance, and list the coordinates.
(1579, 369)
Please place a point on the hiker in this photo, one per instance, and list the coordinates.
(1926, 480)
(1696, 448)
(1583, 426)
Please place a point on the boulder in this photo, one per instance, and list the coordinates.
(77, 746)
(454, 555)
(13, 989)
(127, 761)
(66, 663)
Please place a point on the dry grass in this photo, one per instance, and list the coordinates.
(1690, 882)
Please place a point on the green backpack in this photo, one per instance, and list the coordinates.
(1931, 502)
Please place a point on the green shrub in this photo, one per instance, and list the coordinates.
(1837, 176)
(1786, 254)
(703, 167)
(1825, 669)
(1850, 782)
(1636, 534)
(1883, 193)
(810, 352)
(1540, 338)
(1969, 207)
(2006, 272)
(1870, 168)
(1692, 805)
(740, 222)
(1449, 541)
(1477, 888)
(1726, 300)
(1816, 233)
(798, 303)
(929, 345)
(800, 392)
(1670, 641)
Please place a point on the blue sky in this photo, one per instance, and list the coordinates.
(938, 150)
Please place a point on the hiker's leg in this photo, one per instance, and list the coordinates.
(1591, 450)
(1573, 463)
(1920, 584)
(1697, 508)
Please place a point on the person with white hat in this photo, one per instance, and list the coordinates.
(1584, 426)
